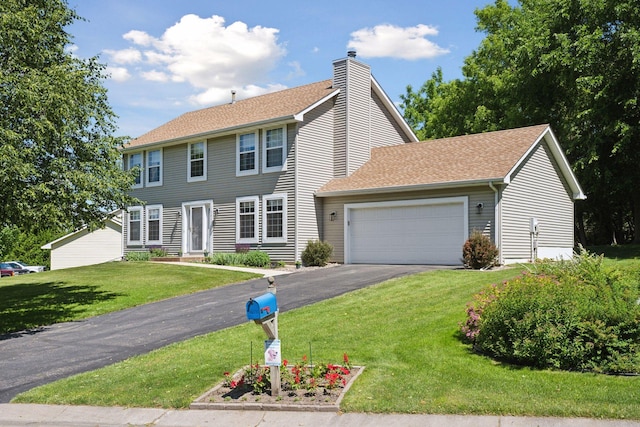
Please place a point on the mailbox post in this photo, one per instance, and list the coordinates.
(264, 311)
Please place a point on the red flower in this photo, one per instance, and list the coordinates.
(345, 358)
(285, 362)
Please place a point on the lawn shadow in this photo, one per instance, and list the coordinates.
(26, 308)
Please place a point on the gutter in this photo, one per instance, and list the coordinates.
(407, 188)
(497, 220)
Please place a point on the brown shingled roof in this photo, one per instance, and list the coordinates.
(479, 157)
(283, 104)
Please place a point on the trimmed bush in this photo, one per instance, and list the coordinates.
(137, 256)
(250, 258)
(571, 315)
(317, 253)
(257, 259)
(479, 251)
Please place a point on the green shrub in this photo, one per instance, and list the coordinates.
(138, 256)
(479, 251)
(257, 259)
(251, 258)
(571, 315)
(158, 252)
(317, 253)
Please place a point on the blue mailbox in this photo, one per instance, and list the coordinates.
(261, 307)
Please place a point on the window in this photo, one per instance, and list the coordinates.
(274, 150)
(197, 162)
(135, 161)
(246, 154)
(134, 229)
(275, 218)
(154, 224)
(247, 219)
(154, 168)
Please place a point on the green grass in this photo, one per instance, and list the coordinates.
(405, 331)
(34, 300)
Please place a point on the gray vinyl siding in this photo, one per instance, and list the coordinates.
(222, 187)
(385, 130)
(340, 120)
(483, 220)
(315, 168)
(358, 115)
(536, 190)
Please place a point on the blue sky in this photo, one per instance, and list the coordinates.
(166, 57)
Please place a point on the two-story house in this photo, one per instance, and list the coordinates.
(335, 160)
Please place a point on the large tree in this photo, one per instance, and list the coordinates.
(572, 63)
(59, 160)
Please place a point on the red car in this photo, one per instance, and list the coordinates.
(6, 270)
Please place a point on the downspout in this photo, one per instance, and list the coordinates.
(296, 248)
(497, 221)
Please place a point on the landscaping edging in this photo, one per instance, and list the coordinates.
(203, 403)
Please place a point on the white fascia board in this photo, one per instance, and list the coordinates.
(300, 116)
(393, 109)
(407, 188)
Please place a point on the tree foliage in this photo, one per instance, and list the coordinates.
(572, 63)
(59, 162)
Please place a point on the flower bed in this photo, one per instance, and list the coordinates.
(318, 387)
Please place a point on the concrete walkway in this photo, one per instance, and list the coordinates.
(81, 416)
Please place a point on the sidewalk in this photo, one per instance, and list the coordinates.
(80, 416)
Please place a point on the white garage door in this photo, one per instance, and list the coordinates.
(408, 232)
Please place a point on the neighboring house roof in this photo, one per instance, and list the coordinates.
(288, 104)
(115, 219)
(448, 162)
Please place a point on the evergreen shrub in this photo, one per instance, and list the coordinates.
(317, 253)
(479, 251)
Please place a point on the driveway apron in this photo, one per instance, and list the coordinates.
(34, 358)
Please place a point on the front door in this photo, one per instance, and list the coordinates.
(196, 230)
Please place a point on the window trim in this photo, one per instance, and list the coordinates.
(190, 162)
(275, 196)
(253, 171)
(138, 209)
(256, 219)
(140, 170)
(148, 168)
(147, 218)
(283, 166)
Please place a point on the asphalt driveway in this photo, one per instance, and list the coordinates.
(32, 359)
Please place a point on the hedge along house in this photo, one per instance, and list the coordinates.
(418, 203)
(245, 173)
(335, 161)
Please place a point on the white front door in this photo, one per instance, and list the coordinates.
(196, 230)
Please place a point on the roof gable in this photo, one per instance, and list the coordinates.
(456, 161)
(282, 105)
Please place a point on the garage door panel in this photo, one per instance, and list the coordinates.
(416, 234)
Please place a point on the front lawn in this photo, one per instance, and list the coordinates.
(34, 300)
(405, 331)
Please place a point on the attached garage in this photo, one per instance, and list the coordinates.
(426, 231)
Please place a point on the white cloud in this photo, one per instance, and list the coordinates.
(124, 56)
(119, 74)
(155, 76)
(208, 55)
(222, 95)
(386, 40)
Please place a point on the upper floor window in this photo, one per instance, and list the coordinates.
(275, 218)
(274, 150)
(135, 161)
(246, 154)
(197, 162)
(154, 167)
(134, 225)
(154, 224)
(247, 219)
